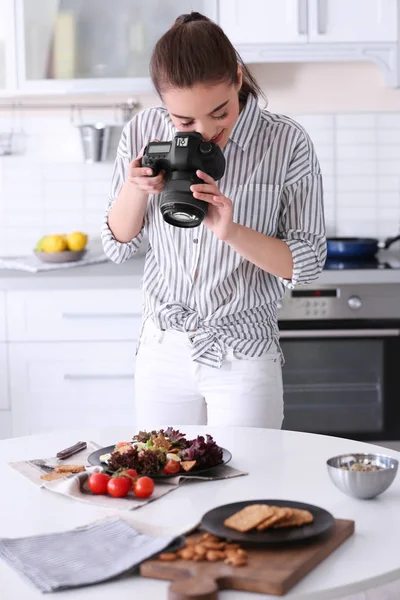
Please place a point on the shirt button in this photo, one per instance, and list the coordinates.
(195, 241)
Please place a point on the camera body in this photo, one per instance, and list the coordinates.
(180, 159)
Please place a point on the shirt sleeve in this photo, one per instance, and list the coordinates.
(128, 148)
(302, 221)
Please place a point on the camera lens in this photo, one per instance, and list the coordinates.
(183, 217)
(205, 147)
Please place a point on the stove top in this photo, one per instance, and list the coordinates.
(336, 264)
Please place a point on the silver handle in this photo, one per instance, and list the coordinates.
(96, 376)
(303, 17)
(339, 333)
(322, 17)
(100, 315)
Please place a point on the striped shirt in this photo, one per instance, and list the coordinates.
(193, 281)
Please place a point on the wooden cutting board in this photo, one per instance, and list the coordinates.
(274, 570)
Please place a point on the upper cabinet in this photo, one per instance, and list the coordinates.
(93, 45)
(7, 47)
(89, 46)
(264, 21)
(352, 21)
(315, 30)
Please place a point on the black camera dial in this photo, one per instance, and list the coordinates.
(205, 147)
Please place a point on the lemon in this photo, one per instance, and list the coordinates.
(39, 245)
(77, 241)
(53, 243)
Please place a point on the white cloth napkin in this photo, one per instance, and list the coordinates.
(75, 485)
(83, 556)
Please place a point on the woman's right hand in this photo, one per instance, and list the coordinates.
(143, 179)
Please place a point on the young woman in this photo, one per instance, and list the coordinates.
(209, 349)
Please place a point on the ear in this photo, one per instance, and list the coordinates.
(239, 77)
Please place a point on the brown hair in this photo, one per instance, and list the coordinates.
(196, 50)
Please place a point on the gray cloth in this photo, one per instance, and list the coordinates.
(83, 556)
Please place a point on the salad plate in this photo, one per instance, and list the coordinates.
(162, 454)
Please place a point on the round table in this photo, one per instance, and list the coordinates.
(281, 464)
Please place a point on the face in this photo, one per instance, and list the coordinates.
(211, 110)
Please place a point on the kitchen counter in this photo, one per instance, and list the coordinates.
(103, 275)
(129, 274)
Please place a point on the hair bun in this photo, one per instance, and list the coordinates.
(190, 17)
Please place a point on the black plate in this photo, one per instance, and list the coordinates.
(94, 460)
(213, 521)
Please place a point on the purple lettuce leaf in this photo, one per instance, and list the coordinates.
(205, 452)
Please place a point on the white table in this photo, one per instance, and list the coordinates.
(281, 464)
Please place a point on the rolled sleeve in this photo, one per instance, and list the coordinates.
(117, 251)
(302, 228)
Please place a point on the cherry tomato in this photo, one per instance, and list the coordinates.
(143, 487)
(130, 473)
(171, 467)
(118, 486)
(97, 483)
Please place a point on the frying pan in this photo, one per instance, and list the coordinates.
(357, 247)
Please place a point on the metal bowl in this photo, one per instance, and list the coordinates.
(362, 484)
(60, 257)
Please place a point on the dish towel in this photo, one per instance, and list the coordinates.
(84, 556)
(33, 264)
(75, 485)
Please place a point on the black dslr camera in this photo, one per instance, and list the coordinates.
(180, 160)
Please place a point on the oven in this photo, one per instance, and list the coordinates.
(341, 345)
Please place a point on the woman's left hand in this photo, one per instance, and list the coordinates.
(220, 213)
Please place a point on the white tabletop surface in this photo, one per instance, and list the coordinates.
(281, 464)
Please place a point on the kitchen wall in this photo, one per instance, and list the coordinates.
(348, 110)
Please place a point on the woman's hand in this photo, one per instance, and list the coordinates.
(142, 179)
(220, 213)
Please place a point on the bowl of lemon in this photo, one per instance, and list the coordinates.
(59, 248)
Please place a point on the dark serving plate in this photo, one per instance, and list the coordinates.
(213, 522)
(94, 460)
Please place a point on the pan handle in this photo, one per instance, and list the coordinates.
(391, 241)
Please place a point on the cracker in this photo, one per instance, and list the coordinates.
(53, 475)
(299, 517)
(69, 468)
(249, 517)
(187, 465)
(278, 515)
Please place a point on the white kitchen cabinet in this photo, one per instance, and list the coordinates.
(7, 47)
(302, 21)
(4, 400)
(93, 45)
(2, 316)
(315, 31)
(5, 424)
(260, 21)
(72, 315)
(352, 21)
(65, 385)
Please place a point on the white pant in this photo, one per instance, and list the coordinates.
(171, 389)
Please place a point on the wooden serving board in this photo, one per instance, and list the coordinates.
(274, 570)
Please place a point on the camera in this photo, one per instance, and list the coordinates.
(180, 159)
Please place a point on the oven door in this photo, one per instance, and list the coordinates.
(342, 378)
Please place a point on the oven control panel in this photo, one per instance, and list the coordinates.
(341, 302)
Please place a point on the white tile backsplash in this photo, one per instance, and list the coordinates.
(48, 188)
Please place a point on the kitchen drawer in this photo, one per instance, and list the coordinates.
(63, 315)
(4, 401)
(67, 385)
(2, 316)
